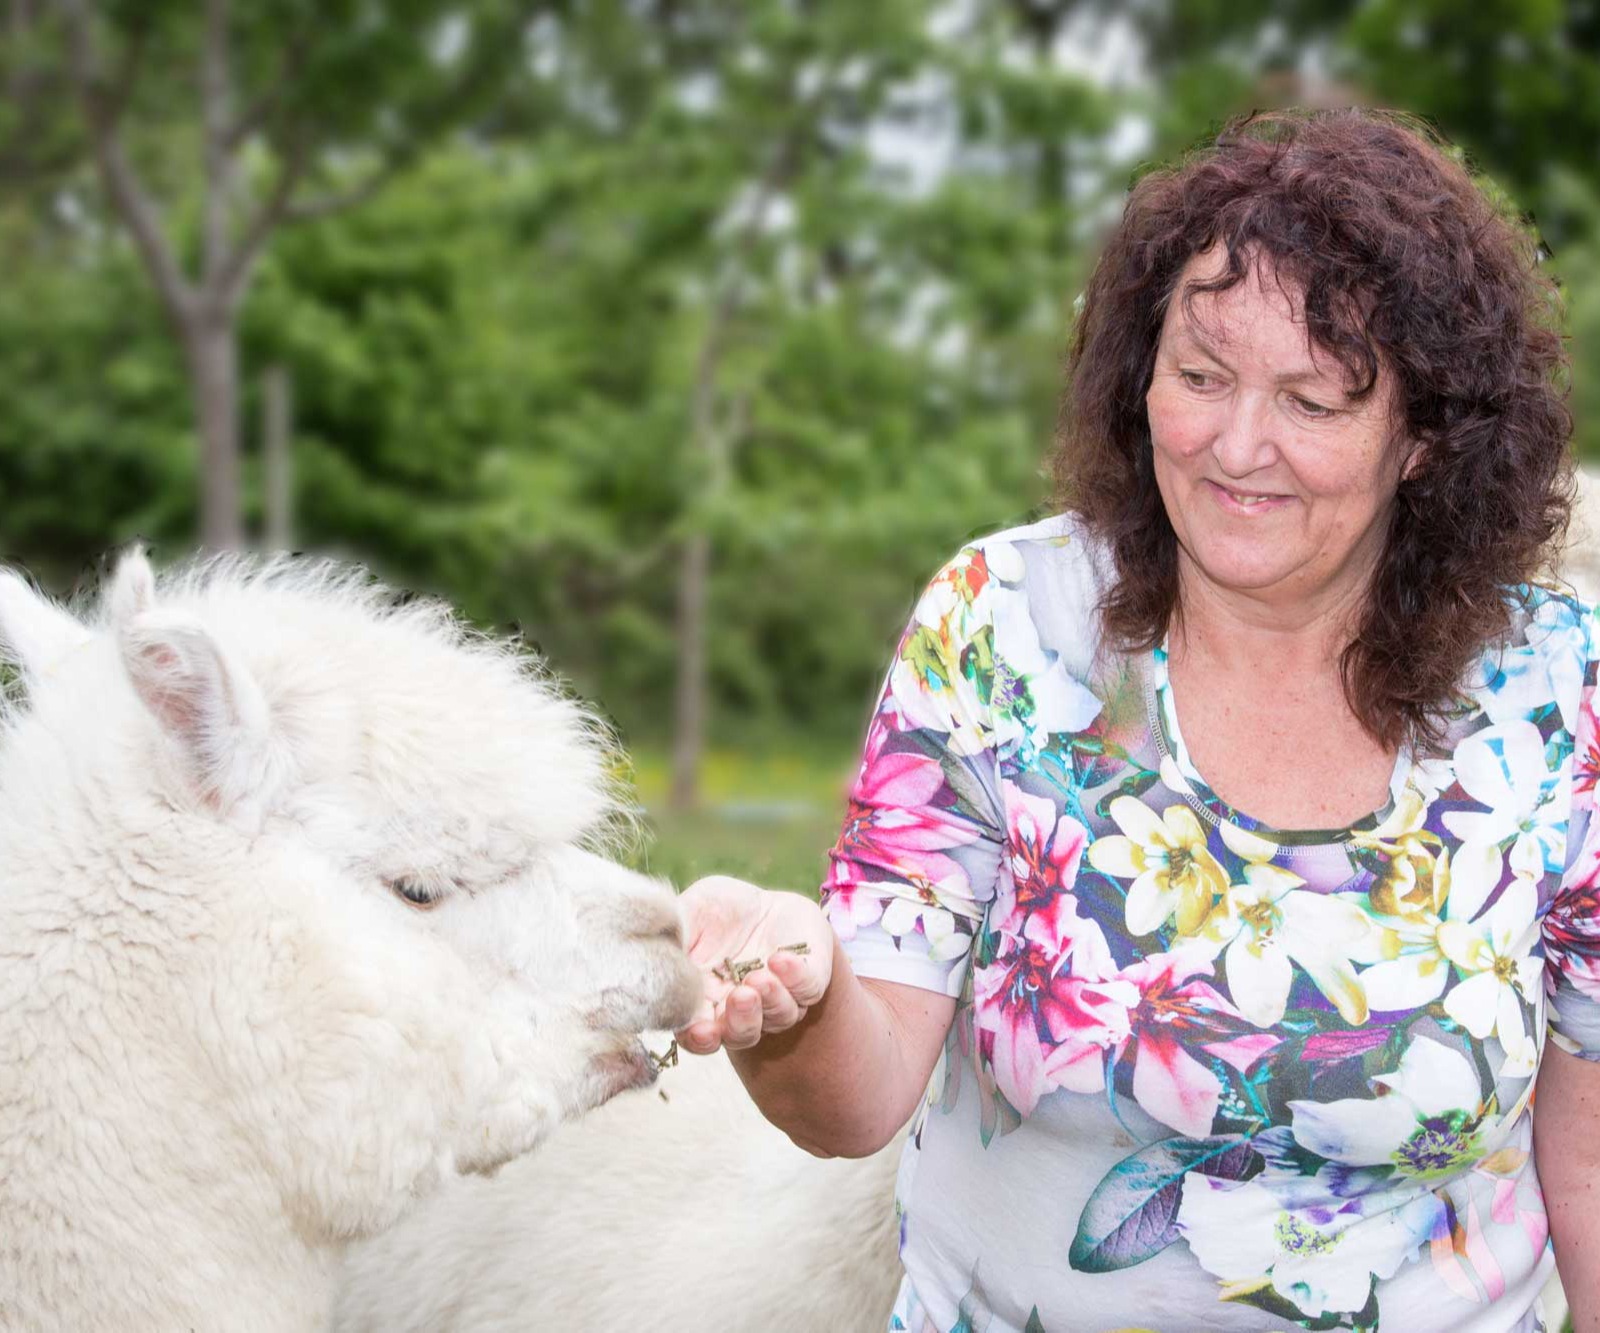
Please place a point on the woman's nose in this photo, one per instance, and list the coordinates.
(1245, 440)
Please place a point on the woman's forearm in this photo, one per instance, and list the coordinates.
(1566, 1114)
(848, 1075)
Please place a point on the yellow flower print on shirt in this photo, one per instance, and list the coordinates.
(1173, 871)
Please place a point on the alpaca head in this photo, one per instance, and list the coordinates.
(431, 772)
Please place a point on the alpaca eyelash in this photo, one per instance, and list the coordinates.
(425, 891)
(414, 890)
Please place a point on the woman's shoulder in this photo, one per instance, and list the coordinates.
(1057, 552)
(1038, 585)
(1551, 616)
(1543, 666)
(1056, 532)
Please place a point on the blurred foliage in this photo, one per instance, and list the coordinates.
(95, 435)
(495, 359)
(771, 813)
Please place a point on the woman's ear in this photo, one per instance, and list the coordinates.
(1413, 454)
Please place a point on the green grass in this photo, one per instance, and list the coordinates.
(767, 817)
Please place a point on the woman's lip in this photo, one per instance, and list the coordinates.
(1230, 500)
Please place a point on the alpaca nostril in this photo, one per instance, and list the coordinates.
(662, 922)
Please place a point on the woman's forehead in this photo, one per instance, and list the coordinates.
(1298, 358)
(1265, 287)
(1266, 301)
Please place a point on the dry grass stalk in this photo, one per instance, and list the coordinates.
(733, 973)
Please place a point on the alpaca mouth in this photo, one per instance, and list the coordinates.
(627, 1068)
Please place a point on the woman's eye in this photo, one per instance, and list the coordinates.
(1311, 409)
(1195, 379)
(413, 891)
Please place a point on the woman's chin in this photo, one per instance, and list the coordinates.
(1255, 568)
(1248, 581)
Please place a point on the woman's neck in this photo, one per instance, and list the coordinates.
(1245, 631)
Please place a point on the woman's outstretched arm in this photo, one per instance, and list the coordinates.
(1566, 1143)
(834, 1060)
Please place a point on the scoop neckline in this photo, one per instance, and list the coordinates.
(1179, 772)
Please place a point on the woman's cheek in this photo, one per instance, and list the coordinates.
(1177, 428)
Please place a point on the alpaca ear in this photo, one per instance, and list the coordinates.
(133, 588)
(208, 704)
(35, 634)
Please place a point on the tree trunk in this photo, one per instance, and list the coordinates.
(213, 352)
(713, 436)
(276, 430)
(689, 705)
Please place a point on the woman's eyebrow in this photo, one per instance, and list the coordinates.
(1186, 333)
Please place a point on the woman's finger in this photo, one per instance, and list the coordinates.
(779, 1012)
(798, 977)
(700, 1038)
(741, 1018)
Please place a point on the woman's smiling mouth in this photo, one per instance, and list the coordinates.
(1252, 502)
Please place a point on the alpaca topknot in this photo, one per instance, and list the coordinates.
(318, 581)
(236, 585)
(314, 623)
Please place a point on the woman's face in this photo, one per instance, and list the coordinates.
(1277, 483)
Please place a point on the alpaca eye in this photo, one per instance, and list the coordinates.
(413, 891)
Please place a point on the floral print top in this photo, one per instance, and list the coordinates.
(1205, 1074)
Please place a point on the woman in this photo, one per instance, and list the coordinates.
(1230, 834)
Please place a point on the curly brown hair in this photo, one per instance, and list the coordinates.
(1401, 261)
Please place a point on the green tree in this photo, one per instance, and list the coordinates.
(499, 360)
(297, 110)
(94, 440)
(1515, 83)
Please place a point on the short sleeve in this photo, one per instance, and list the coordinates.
(915, 865)
(1571, 927)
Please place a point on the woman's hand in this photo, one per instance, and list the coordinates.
(729, 921)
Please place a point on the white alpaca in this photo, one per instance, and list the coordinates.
(295, 922)
(692, 1215)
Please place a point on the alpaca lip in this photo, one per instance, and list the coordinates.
(633, 1067)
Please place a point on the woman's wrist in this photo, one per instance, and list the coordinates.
(822, 1081)
(845, 1079)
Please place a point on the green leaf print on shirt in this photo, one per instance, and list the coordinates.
(977, 663)
(1132, 1214)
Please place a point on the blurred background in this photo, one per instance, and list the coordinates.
(684, 337)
